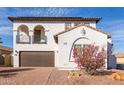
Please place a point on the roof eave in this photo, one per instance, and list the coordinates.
(97, 19)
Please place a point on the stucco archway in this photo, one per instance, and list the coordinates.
(81, 41)
(23, 30)
(39, 33)
(23, 33)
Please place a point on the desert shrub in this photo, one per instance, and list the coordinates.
(89, 57)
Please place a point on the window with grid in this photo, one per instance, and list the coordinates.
(77, 46)
(67, 26)
(77, 23)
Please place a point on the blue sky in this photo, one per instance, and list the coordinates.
(112, 20)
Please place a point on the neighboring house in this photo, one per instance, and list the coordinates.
(49, 41)
(5, 56)
(120, 60)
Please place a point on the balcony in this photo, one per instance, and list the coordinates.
(35, 39)
(23, 39)
(39, 39)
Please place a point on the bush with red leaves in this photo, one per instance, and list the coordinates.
(89, 57)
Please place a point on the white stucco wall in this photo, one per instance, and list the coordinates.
(66, 40)
(50, 30)
(62, 51)
(111, 57)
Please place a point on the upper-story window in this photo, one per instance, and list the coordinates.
(23, 34)
(39, 35)
(68, 25)
(77, 23)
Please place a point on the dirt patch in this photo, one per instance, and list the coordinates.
(59, 77)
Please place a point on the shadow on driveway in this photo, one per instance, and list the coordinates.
(9, 72)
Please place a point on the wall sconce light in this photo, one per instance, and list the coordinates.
(83, 32)
(16, 52)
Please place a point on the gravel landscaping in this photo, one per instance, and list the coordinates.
(52, 76)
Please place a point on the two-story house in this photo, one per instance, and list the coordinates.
(49, 41)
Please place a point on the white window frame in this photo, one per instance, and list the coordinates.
(68, 25)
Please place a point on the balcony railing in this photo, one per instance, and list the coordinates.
(39, 39)
(23, 39)
(35, 39)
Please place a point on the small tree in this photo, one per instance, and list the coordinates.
(89, 57)
(0, 41)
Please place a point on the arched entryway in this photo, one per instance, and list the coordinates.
(23, 34)
(39, 34)
(79, 42)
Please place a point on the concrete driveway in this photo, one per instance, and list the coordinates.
(33, 76)
(25, 76)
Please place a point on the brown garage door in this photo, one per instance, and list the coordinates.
(33, 59)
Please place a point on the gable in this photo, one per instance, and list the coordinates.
(88, 26)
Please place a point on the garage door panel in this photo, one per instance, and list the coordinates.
(41, 59)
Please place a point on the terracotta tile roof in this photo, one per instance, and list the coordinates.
(82, 25)
(5, 48)
(119, 55)
(97, 19)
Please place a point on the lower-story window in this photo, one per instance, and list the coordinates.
(77, 46)
(67, 26)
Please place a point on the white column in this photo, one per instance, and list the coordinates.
(31, 35)
(72, 24)
(15, 62)
(16, 59)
